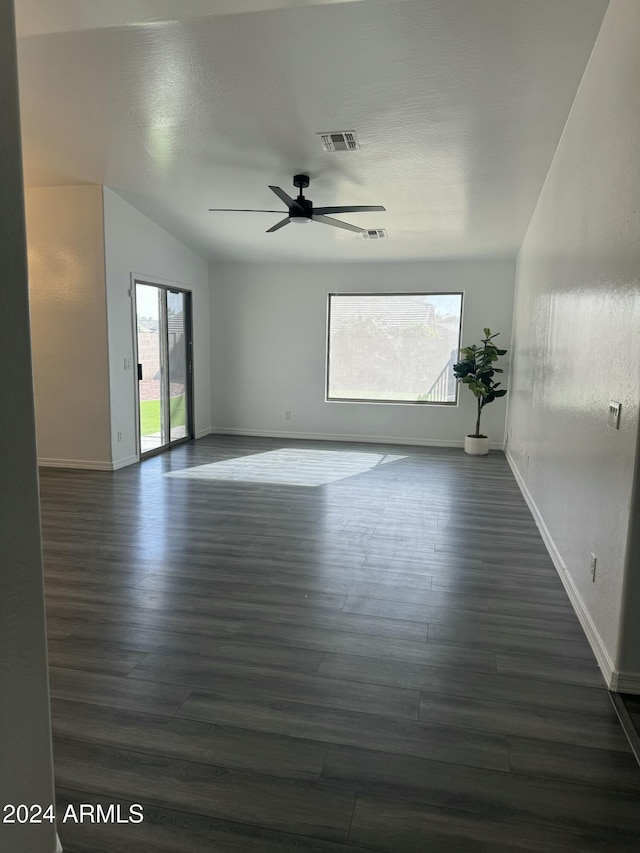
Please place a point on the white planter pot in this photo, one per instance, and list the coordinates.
(476, 446)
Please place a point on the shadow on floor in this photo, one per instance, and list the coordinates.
(627, 708)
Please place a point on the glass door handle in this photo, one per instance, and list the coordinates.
(139, 372)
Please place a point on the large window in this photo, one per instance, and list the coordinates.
(393, 347)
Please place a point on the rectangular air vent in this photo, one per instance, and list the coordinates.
(340, 140)
(374, 234)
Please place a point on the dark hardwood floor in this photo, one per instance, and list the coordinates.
(296, 646)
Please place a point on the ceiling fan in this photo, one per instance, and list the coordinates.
(301, 209)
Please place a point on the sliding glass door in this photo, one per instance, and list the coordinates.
(163, 321)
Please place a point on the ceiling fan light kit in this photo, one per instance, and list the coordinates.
(301, 209)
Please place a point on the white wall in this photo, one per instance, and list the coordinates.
(577, 342)
(26, 766)
(628, 659)
(135, 244)
(69, 325)
(269, 348)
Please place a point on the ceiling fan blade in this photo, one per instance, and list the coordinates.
(285, 197)
(241, 210)
(327, 220)
(357, 209)
(280, 224)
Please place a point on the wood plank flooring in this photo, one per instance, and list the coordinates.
(371, 652)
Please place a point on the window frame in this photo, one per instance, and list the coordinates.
(329, 399)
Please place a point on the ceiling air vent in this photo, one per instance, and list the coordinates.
(341, 140)
(374, 234)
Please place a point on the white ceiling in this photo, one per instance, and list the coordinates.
(458, 105)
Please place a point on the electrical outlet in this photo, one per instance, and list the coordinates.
(287, 415)
(119, 436)
(592, 567)
(127, 363)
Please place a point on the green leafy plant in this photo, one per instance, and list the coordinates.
(476, 371)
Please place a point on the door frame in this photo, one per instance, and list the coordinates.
(163, 284)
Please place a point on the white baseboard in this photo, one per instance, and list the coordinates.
(122, 463)
(87, 464)
(369, 439)
(202, 432)
(609, 673)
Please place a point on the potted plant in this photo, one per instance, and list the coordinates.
(475, 370)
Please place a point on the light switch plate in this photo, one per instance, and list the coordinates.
(614, 414)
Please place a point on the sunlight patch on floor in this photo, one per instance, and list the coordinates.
(290, 466)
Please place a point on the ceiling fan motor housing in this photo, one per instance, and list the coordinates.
(305, 204)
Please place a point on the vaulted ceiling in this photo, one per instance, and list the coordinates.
(179, 107)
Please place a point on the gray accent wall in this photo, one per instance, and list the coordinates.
(25, 729)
